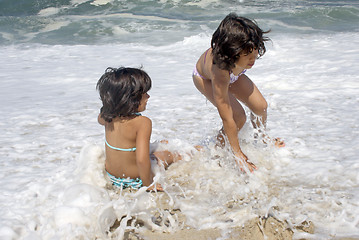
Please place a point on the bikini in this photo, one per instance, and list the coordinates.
(124, 182)
(232, 77)
(121, 149)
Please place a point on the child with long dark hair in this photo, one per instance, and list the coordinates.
(124, 95)
(220, 76)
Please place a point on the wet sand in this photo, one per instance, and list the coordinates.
(257, 228)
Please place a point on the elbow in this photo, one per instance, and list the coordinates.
(140, 163)
(100, 120)
(143, 162)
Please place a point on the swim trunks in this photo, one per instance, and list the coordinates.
(125, 182)
(196, 73)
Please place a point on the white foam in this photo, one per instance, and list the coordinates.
(54, 26)
(52, 145)
(78, 2)
(48, 11)
(101, 2)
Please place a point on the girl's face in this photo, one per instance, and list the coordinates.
(143, 102)
(247, 60)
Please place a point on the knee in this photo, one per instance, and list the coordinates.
(261, 108)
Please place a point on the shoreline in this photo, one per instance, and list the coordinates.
(255, 229)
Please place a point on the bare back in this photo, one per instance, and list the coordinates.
(125, 133)
(204, 64)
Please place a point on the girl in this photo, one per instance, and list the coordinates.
(219, 75)
(124, 95)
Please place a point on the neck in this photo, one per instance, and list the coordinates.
(237, 71)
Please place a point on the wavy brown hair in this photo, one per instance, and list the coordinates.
(121, 90)
(236, 35)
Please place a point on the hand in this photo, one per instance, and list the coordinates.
(155, 187)
(241, 158)
(279, 142)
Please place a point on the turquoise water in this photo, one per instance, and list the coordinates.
(161, 22)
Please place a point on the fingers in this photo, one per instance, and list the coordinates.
(159, 188)
(156, 187)
(279, 142)
(251, 167)
(198, 148)
(244, 160)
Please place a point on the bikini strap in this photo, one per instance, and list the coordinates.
(136, 113)
(205, 56)
(120, 149)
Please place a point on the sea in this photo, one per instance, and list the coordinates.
(52, 182)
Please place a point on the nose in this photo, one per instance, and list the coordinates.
(148, 95)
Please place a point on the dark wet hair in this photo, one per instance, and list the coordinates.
(121, 90)
(236, 35)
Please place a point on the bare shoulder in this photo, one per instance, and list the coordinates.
(143, 127)
(143, 122)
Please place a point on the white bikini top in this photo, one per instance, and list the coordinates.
(234, 78)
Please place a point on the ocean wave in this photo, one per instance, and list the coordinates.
(107, 21)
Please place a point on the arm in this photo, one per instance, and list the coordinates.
(220, 85)
(143, 150)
